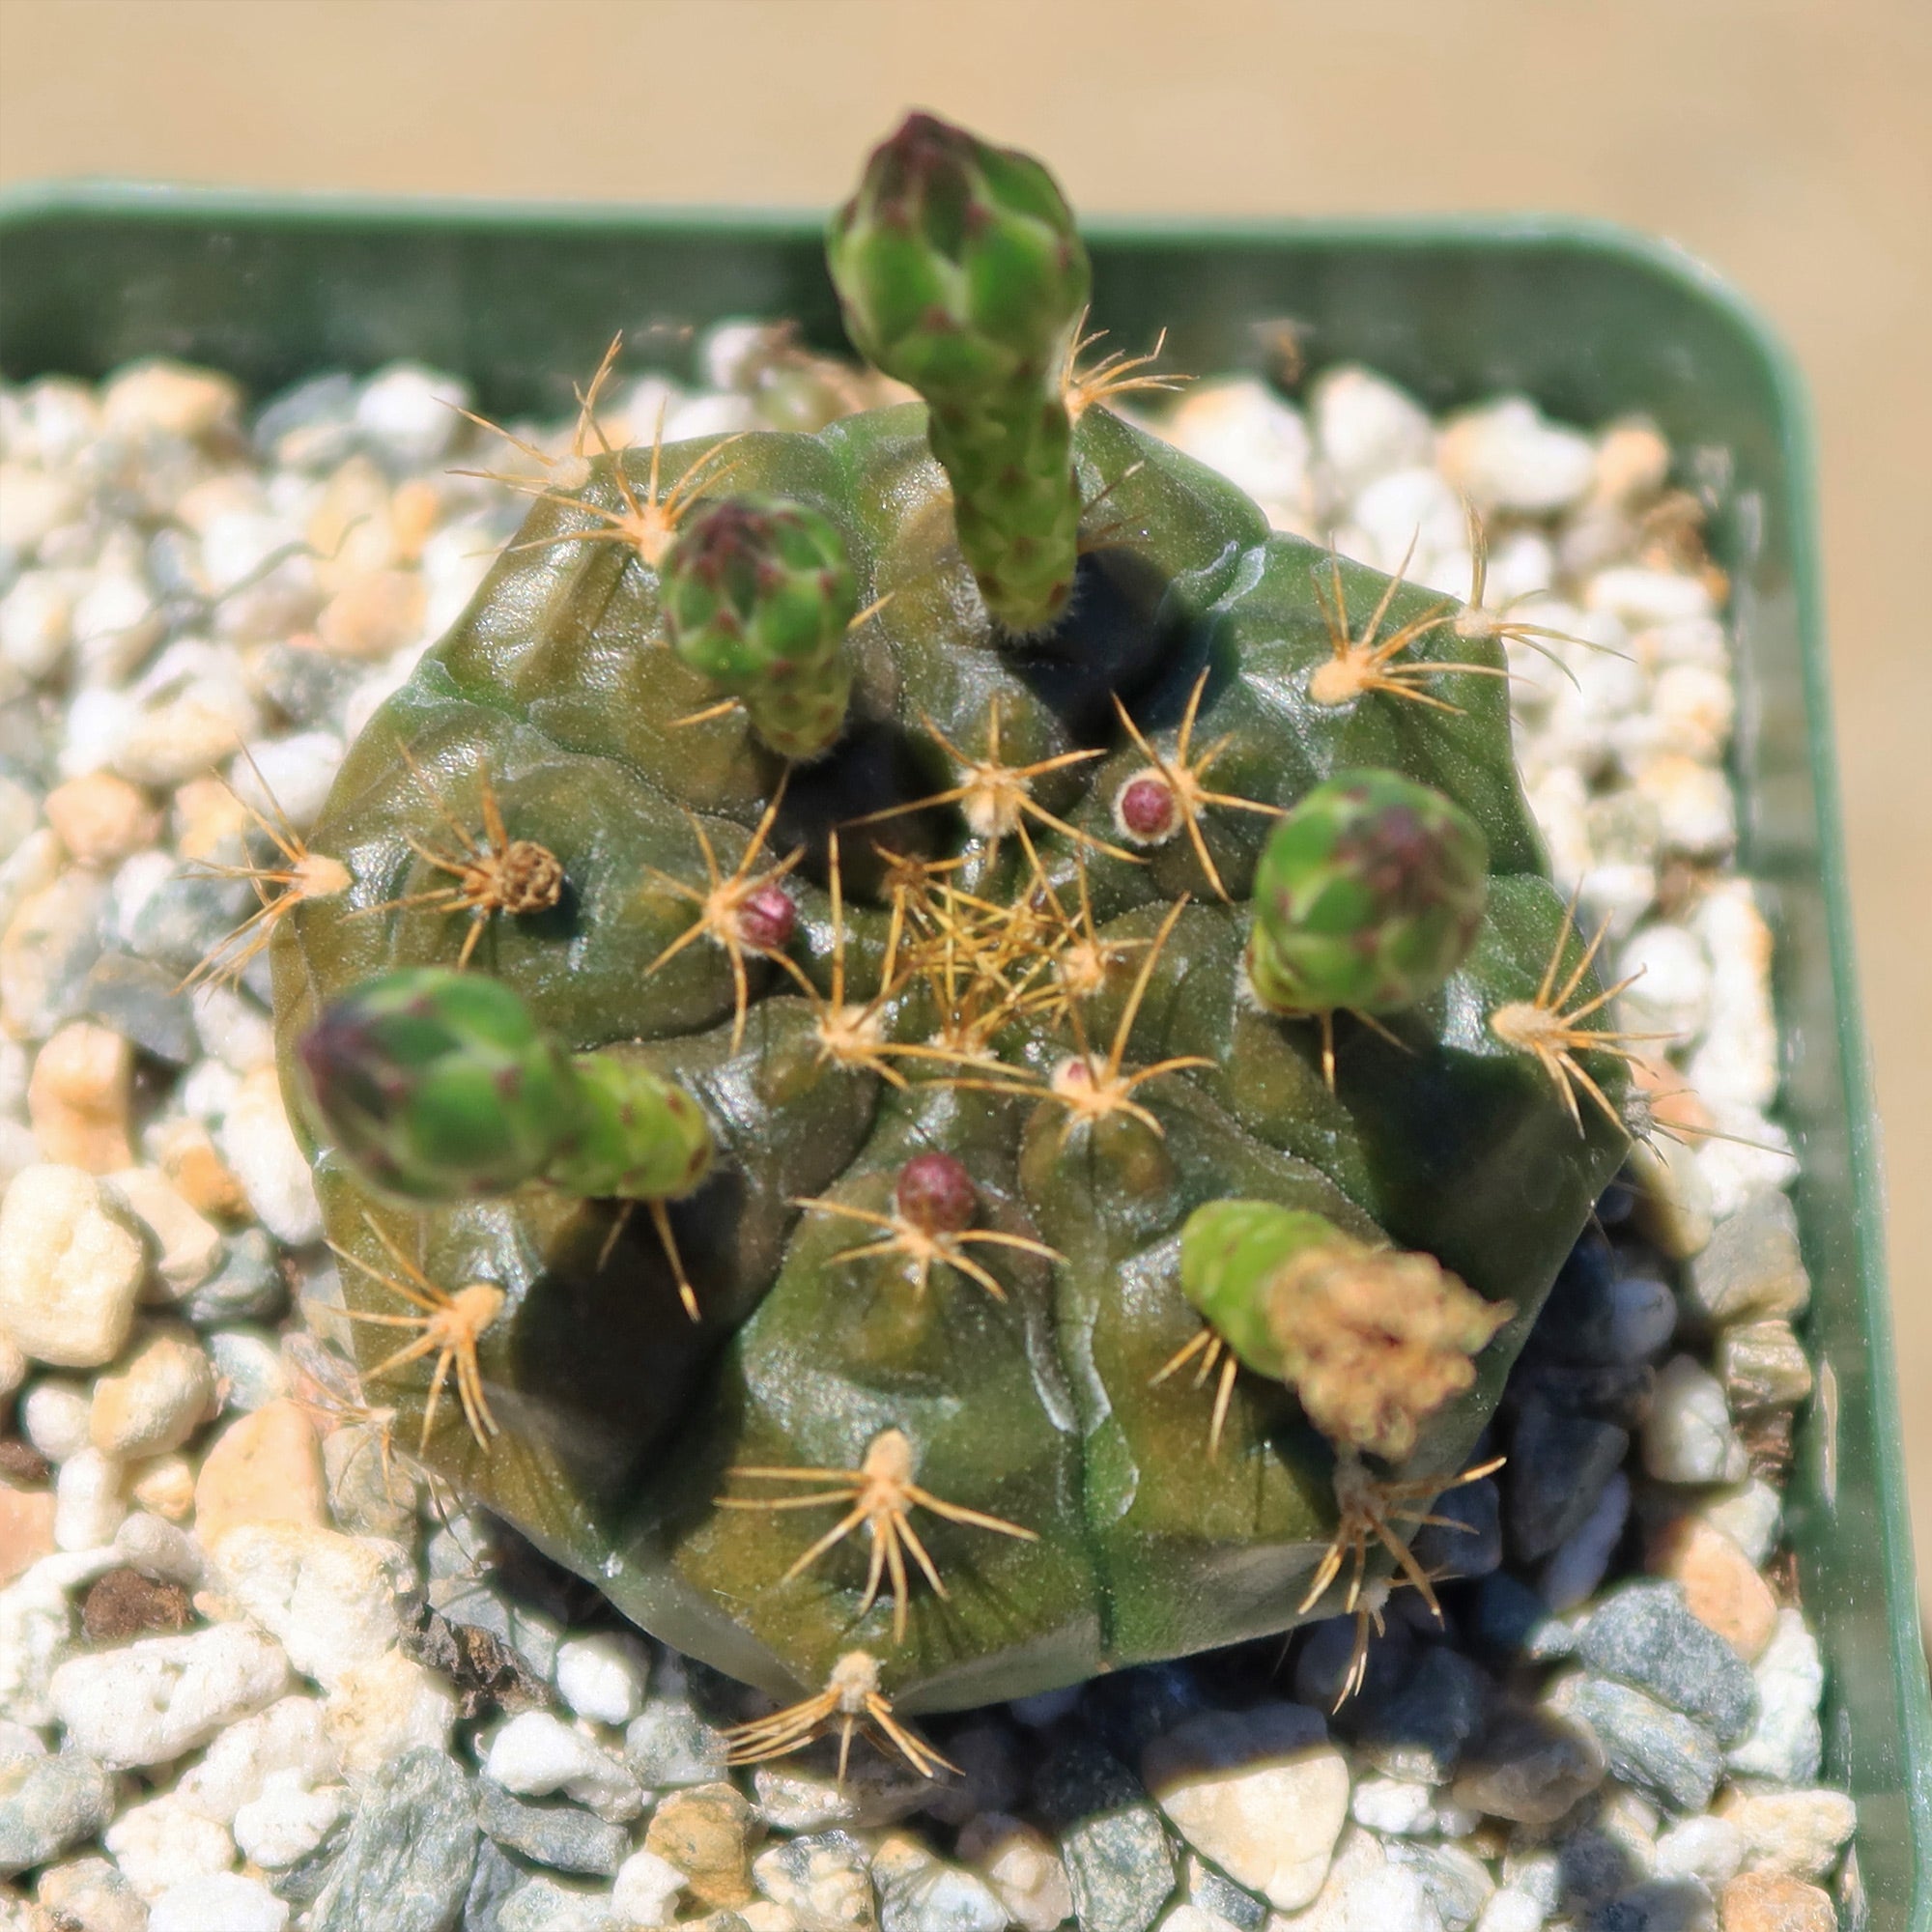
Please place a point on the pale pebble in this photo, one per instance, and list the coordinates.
(32, 505)
(264, 1467)
(258, 1144)
(1393, 1807)
(1688, 1437)
(54, 1418)
(37, 621)
(288, 1821)
(1512, 1911)
(1641, 596)
(1671, 982)
(1763, 1365)
(1761, 1902)
(334, 1602)
(709, 415)
(374, 615)
(155, 1399)
(1707, 1848)
(920, 1893)
(1404, 508)
(1752, 1516)
(1508, 456)
(603, 1676)
(221, 1902)
(37, 1623)
(409, 413)
(1364, 427)
(1696, 815)
(1022, 1865)
(645, 1891)
(288, 1740)
(535, 1755)
(162, 1842)
(232, 1028)
(12, 1366)
(199, 725)
(1242, 429)
(1261, 1793)
(88, 1894)
(149, 1541)
(48, 1805)
(57, 417)
(1633, 462)
(288, 779)
(1693, 709)
(164, 1484)
(134, 884)
(102, 819)
(1738, 1061)
(1616, 895)
(1786, 1743)
(79, 1098)
(1790, 1834)
(116, 624)
(1364, 1892)
(30, 919)
(156, 1698)
(1754, 1156)
(251, 1369)
(1673, 1208)
(1720, 1584)
(376, 1712)
(90, 1500)
(161, 397)
(187, 1246)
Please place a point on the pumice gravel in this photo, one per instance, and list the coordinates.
(259, 1670)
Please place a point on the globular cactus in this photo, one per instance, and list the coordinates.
(1088, 991)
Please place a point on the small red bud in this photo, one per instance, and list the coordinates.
(936, 1194)
(1145, 808)
(768, 918)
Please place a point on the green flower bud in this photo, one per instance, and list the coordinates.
(758, 594)
(1368, 897)
(437, 1084)
(960, 272)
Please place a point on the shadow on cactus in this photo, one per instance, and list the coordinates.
(1046, 1013)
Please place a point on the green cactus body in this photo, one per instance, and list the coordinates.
(758, 597)
(1006, 1342)
(960, 273)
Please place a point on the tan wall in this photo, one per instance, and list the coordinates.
(1789, 143)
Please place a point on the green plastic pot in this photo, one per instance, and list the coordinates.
(1588, 319)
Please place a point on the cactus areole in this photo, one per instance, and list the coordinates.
(987, 992)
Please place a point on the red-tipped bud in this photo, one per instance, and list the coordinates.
(936, 1194)
(768, 918)
(1146, 811)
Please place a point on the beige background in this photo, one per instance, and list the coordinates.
(1789, 143)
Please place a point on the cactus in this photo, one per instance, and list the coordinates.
(983, 934)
